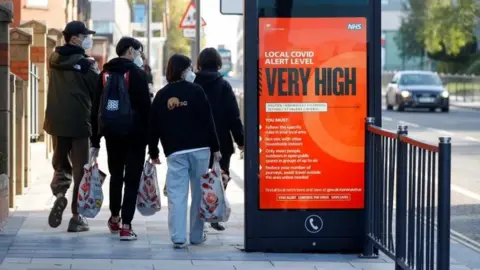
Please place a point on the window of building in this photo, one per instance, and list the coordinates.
(139, 33)
(103, 27)
(36, 3)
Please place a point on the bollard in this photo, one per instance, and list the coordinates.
(401, 203)
(444, 181)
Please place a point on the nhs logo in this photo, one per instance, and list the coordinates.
(354, 26)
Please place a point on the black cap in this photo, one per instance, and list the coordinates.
(77, 28)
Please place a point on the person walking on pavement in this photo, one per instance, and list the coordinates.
(121, 111)
(72, 78)
(182, 120)
(224, 108)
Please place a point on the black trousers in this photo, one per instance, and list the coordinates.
(126, 158)
(69, 157)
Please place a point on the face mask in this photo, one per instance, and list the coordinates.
(138, 61)
(190, 76)
(87, 43)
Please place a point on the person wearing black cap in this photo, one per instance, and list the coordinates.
(72, 79)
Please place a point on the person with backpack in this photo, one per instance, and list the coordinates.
(182, 120)
(72, 78)
(120, 113)
(224, 108)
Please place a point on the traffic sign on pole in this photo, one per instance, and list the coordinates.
(190, 32)
(188, 18)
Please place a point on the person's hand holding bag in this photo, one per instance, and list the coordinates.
(94, 152)
(217, 156)
(155, 161)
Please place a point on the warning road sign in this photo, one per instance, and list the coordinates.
(188, 18)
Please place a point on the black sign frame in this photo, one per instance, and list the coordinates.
(284, 230)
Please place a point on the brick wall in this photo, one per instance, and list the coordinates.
(37, 54)
(20, 68)
(100, 60)
(53, 15)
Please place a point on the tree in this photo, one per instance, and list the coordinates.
(410, 39)
(450, 28)
(176, 42)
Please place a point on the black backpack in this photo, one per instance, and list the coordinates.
(115, 116)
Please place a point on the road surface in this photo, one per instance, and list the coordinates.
(463, 126)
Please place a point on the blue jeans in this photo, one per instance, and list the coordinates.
(183, 169)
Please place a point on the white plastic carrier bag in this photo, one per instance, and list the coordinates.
(148, 198)
(214, 206)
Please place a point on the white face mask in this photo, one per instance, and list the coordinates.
(87, 43)
(138, 61)
(190, 76)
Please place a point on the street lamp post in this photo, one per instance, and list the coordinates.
(198, 27)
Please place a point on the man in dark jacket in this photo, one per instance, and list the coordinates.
(126, 153)
(224, 108)
(71, 81)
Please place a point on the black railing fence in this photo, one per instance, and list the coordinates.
(407, 197)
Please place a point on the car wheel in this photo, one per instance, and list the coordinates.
(446, 109)
(401, 108)
(389, 107)
(433, 109)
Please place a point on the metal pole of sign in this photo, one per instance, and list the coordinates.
(192, 50)
(198, 27)
(149, 31)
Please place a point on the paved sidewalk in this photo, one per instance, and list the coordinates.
(466, 105)
(29, 243)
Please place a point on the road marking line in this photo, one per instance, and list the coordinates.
(409, 124)
(466, 192)
(472, 139)
(387, 118)
(444, 132)
(465, 240)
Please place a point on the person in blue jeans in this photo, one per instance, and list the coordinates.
(181, 118)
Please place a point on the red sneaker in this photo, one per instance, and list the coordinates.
(127, 234)
(114, 226)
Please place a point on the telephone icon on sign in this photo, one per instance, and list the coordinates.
(313, 224)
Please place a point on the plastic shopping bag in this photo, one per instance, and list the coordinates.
(214, 206)
(148, 198)
(90, 194)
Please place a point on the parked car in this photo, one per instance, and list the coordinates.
(417, 89)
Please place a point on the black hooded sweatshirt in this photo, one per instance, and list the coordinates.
(139, 99)
(224, 109)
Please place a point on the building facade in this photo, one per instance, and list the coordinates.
(111, 19)
(238, 68)
(392, 13)
(54, 13)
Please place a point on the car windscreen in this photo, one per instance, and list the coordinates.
(420, 79)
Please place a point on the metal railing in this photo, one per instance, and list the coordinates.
(407, 197)
(34, 83)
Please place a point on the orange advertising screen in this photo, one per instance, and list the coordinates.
(312, 109)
